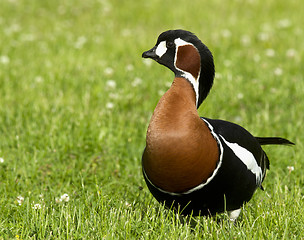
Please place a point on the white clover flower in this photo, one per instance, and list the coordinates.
(137, 81)
(227, 63)
(20, 200)
(266, 27)
(291, 53)
(108, 71)
(270, 52)
(147, 62)
(129, 67)
(284, 23)
(290, 168)
(126, 32)
(80, 42)
(168, 84)
(161, 92)
(38, 79)
(128, 204)
(12, 29)
(111, 84)
(263, 36)
(256, 58)
(110, 105)
(36, 206)
(1, 160)
(226, 33)
(278, 71)
(245, 40)
(114, 96)
(238, 119)
(4, 59)
(65, 198)
(240, 95)
(218, 75)
(28, 37)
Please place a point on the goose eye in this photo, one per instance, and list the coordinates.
(170, 44)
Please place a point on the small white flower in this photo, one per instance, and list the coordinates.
(1, 160)
(108, 71)
(4, 59)
(290, 168)
(12, 29)
(256, 58)
(226, 33)
(114, 96)
(129, 67)
(20, 200)
(273, 90)
(147, 61)
(263, 36)
(284, 23)
(110, 105)
(227, 63)
(65, 198)
(161, 92)
(278, 71)
(218, 75)
(245, 40)
(107, 9)
(36, 206)
(28, 37)
(80, 42)
(111, 84)
(270, 52)
(240, 95)
(238, 119)
(266, 27)
(137, 81)
(291, 53)
(38, 79)
(126, 32)
(168, 84)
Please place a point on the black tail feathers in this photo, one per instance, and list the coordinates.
(273, 141)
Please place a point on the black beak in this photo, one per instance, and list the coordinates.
(150, 54)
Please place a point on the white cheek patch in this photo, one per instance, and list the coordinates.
(161, 49)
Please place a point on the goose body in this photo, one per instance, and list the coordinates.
(198, 165)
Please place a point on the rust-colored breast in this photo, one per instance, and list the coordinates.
(180, 152)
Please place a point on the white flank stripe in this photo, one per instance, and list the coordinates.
(161, 49)
(247, 158)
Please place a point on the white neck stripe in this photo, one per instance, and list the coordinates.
(194, 81)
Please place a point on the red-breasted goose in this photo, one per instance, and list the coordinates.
(201, 166)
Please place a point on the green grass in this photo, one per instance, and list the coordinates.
(76, 99)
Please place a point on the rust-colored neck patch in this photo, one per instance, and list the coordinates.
(180, 153)
(188, 59)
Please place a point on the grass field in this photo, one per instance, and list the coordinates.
(76, 99)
